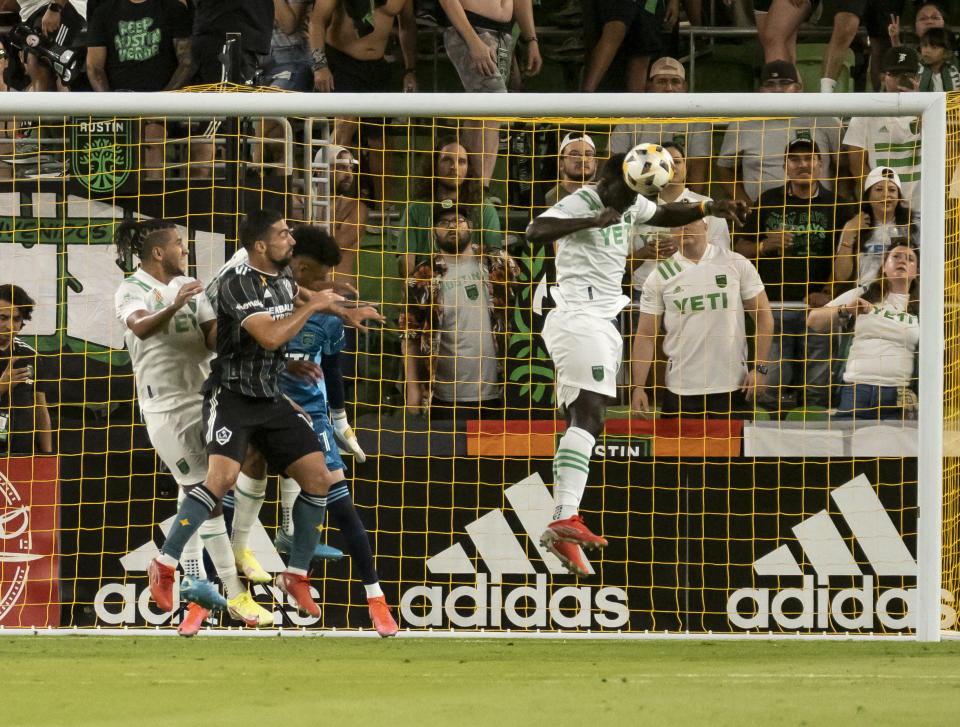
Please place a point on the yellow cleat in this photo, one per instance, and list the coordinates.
(244, 608)
(250, 567)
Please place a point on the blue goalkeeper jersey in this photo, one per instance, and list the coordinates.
(322, 335)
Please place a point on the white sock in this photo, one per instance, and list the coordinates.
(289, 489)
(827, 85)
(373, 590)
(297, 571)
(571, 465)
(247, 499)
(192, 558)
(215, 540)
(167, 560)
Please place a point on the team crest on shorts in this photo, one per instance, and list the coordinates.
(183, 466)
(223, 435)
(597, 373)
(472, 291)
(721, 281)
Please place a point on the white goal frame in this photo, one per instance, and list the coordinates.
(931, 107)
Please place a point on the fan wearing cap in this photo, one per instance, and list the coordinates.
(790, 236)
(884, 220)
(667, 75)
(848, 16)
(750, 159)
(890, 141)
(578, 166)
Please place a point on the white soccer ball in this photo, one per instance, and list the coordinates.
(647, 169)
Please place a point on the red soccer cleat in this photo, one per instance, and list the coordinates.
(196, 615)
(568, 554)
(572, 530)
(161, 584)
(382, 618)
(297, 588)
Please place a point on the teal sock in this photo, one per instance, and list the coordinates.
(308, 514)
(192, 513)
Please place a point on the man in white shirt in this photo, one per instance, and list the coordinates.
(592, 231)
(890, 141)
(170, 331)
(578, 166)
(701, 293)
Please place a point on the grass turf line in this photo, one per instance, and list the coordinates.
(96, 680)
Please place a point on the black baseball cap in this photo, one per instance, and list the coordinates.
(779, 69)
(801, 145)
(900, 60)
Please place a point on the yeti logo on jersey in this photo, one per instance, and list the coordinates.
(223, 435)
(721, 281)
(472, 292)
(597, 373)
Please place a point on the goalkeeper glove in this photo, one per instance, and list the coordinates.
(344, 432)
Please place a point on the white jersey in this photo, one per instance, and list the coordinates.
(591, 262)
(702, 306)
(891, 141)
(170, 366)
(884, 342)
(718, 234)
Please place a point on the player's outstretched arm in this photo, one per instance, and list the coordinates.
(677, 214)
(355, 315)
(544, 230)
(144, 324)
(272, 334)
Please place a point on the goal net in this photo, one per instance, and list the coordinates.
(795, 513)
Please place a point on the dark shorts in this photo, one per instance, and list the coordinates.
(644, 21)
(732, 405)
(232, 421)
(875, 14)
(355, 76)
(206, 50)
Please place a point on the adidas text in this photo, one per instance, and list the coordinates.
(485, 606)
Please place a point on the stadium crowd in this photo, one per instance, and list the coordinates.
(829, 197)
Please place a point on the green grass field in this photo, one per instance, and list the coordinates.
(138, 680)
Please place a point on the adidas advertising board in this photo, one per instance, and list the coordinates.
(727, 546)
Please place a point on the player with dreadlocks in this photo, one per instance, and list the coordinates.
(170, 332)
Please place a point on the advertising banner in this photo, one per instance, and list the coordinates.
(29, 560)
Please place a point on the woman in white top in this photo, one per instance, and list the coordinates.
(884, 220)
(886, 332)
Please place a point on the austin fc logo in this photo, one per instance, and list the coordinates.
(14, 545)
(223, 435)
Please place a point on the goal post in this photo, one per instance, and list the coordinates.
(938, 482)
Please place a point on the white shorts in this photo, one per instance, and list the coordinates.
(586, 350)
(178, 438)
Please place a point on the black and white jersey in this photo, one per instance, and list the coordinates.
(243, 365)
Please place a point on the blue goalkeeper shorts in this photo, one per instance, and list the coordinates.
(324, 430)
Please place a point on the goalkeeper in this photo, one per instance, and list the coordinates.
(592, 229)
(313, 381)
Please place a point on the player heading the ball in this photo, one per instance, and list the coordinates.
(592, 231)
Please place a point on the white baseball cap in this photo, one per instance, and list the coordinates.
(878, 175)
(575, 136)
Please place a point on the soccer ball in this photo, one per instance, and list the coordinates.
(647, 169)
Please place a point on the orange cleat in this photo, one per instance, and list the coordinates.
(196, 615)
(161, 584)
(569, 555)
(382, 618)
(572, 530)
(297, 588)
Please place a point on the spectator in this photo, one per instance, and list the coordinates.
(59, 20)
(479, 44)
(213, 19)
(636, 25)
(790, 233)
(25, 426)
(890, 141)
(701, 292)
(929, 15)
(347, 47)
(750, 161)
(444, 177)
(939, 71)
(650, 244)
(140, 45)
(290, 45)
(578, 166)
(454, 322)
(777, 23)
(886, 332)
(348, 212)
(884, 221)
(876, 15)
(667, 75)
